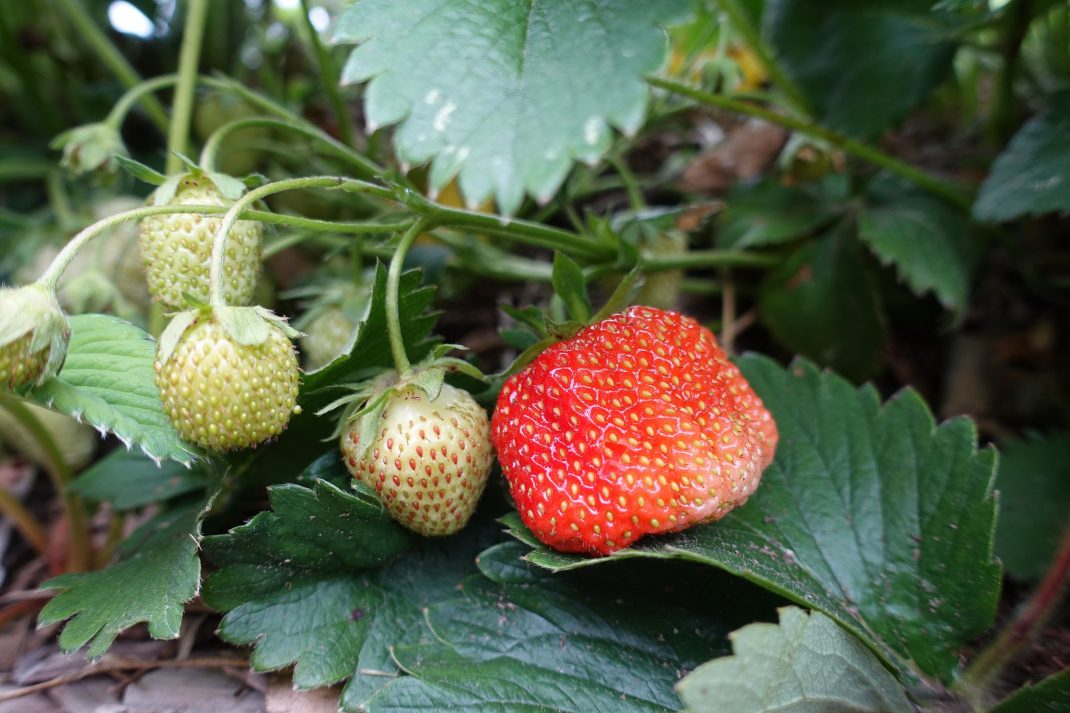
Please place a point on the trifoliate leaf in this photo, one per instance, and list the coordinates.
(157, 572)
(1034, 488)
(929, 241)
(1032, 175)
(1052, 695)
(505, 94)
(869, 513)
(862, 64)
(108, 382)
(130, 479)
(805, 663)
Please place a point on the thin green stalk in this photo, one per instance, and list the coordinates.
(738, 18)
(361, 165)
(76, 12)
(137, 93)
(650, 262)
(188, 59)
(1024, 627)
(328, 77)
(24, 521)
(219, 247)
(524, 231)
(60, 474)
(918, 177)
(393, 282)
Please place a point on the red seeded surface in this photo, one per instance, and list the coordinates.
(637, 425)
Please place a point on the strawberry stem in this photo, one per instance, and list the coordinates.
(934, 184)
(188, 58)
(393, 282)
(219, 247)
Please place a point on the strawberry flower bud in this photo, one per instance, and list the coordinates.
(91, 147)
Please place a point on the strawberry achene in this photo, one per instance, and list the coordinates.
(637, 425)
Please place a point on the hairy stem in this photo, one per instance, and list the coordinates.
(219, 247)
(393, 282)
(328, 77)
(915, 175)
(360, 164)
(1026, 624)
(188, 58)
(76, 12)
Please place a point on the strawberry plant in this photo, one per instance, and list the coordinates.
(656, 355)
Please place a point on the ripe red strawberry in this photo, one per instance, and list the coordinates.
(639, 424)
(429, 459)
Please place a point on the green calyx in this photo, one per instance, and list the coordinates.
(370, 398)
(228, 187)
(248, 326)
(33, 335)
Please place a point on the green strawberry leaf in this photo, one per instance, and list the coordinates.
(158, 571)
(871, 514)
(1034, 498)
(372, 346)
(1052, 695)
(129, 479)
(807, 662)
(549, 643)
(929, 241)
(822, 303)
(863, 64)
(108, 382)
(295, 581)
(768, 213)
(505, 94)
(1032, 175)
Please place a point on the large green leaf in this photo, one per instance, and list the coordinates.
(1032, 176)
(863, 64)
(806, 663)
(507, 94)
(1034, 489)
(822, 303)
(545, 643)
(128, 479)
(1052, 695)
(108, 381)
(871, 514)
(293, 581)
(158, 571)
(929, 241)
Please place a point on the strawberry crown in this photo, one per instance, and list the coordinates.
(248, 326)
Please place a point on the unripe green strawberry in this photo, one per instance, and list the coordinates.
(33, 336)
(224, 393)
(77, 441)
(429, 459)
(177, 248)
(327, 336)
